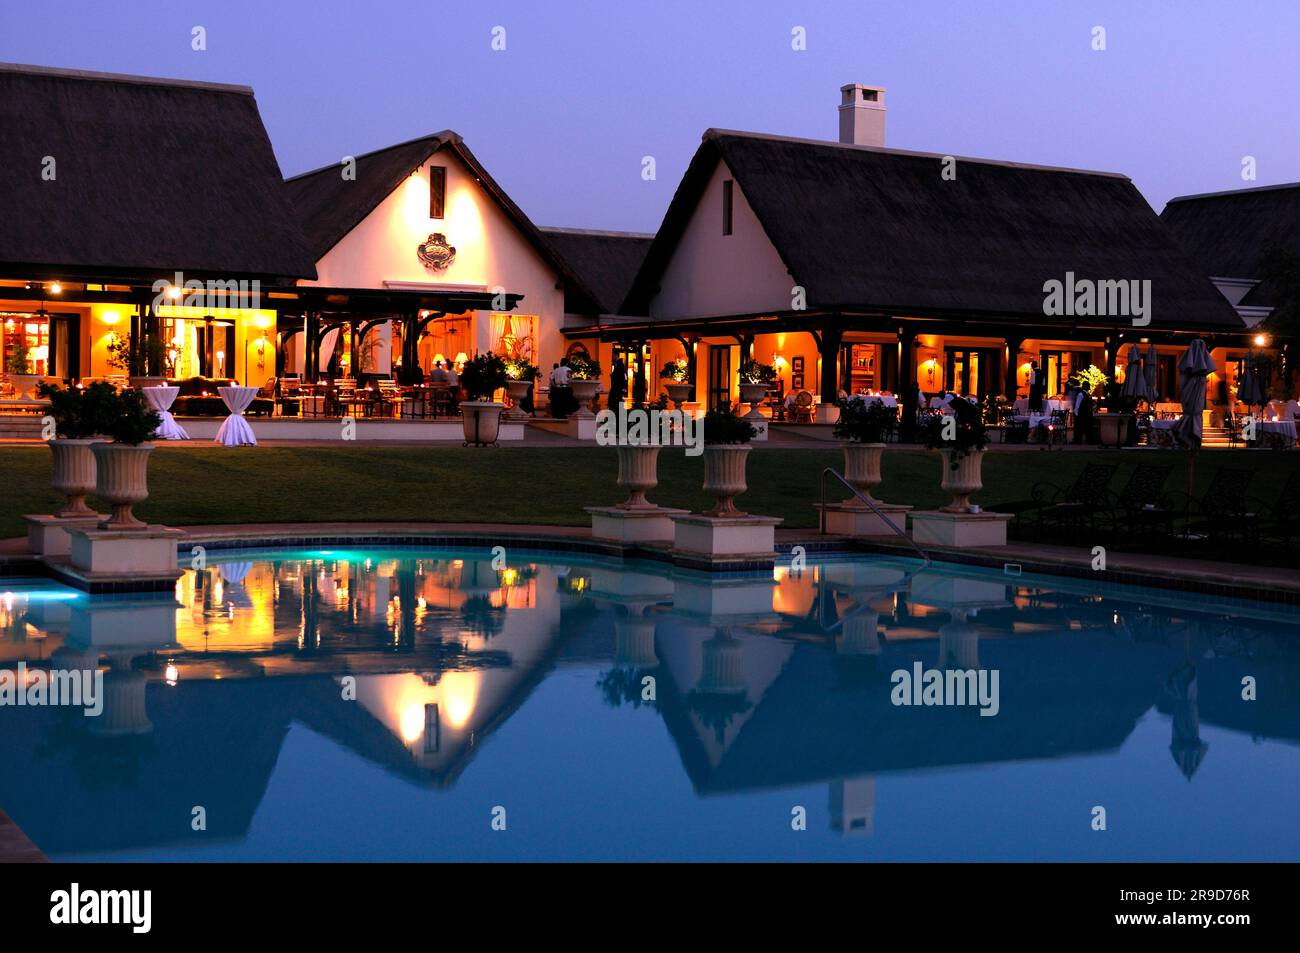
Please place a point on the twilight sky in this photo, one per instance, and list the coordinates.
(583, 90)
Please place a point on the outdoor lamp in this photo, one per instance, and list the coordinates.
(56, 288)
(1261, 340)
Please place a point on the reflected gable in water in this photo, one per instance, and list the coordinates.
(410, 665)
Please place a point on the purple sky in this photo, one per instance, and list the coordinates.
(583, 90)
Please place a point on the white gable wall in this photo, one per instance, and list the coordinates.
(714, 274)
(490, 252)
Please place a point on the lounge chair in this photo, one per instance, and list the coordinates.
(1224, 511)
(1062, 506)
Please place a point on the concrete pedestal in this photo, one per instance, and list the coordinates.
(759, 423)
(710, 540)
(124, 559)
(826, 413)
(647, 524)
(581, 428)
(844, 519)
(48, 535)
(959, 530)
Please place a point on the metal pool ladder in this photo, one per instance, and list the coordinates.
(875, 509)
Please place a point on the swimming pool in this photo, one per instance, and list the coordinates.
(407, 705)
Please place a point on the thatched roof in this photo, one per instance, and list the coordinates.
(863, 228)
(150, 176)
(607, 261)
(329, 206)
(1225, 234)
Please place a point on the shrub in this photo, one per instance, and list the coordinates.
(79, 412)
(519, 369)
(583, 368)
(866, 421)
(482, 375)
(726, 426)
(128, 418)
(16, 363)
(752, 372)
(675, 371)
(967, 430)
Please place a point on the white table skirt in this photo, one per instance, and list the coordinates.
(160, 398)
(235, 431)
(1021, 405)
(1286, 427)
(886, 399)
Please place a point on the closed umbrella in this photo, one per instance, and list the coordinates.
(1193, 368)
(1149, 368)
(1248, 390)
(1135, 384)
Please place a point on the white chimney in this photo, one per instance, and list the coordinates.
(862, 115)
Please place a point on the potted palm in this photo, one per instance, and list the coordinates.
(78, 420)
(863, 429)
(676, 380)
(121, 476)
(960, 440)
(481, 377)
(584, 380)
(755, 381)
(726, 446)
(520, 375)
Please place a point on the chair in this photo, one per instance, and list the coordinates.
(390, 395)
(1224, 511)
(803, 407)
(1141, 504)
(1061, 505)
(345, 396)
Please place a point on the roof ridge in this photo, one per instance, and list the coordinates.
(714, 133)
(602, 233)
(442, 138)
(94, 76)
(1226, 193)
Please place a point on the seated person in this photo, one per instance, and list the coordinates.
(439, 374)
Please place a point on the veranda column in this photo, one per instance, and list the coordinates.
(907, 384)
(1013, 344)
(828, 346)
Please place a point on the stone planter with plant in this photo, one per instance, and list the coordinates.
(675, 377)
(78, 415)
(755, 381)
(584, 381)
(726, 447)
(121, 477)
(960, 439)
(863, 429)
(520, 375)
(481, 377)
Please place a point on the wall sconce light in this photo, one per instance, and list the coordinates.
(779, 362)
(110, 318)
(1261, 340)
(56, 288)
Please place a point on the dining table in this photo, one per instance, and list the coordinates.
(160, 397)
(235, 430)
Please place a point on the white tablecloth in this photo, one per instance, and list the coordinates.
(235, 431)
(160, 398)
(1049, 405)
(887, 399)
(1286, 427)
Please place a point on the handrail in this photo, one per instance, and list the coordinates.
(871, 503)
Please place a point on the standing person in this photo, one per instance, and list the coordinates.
(1083, 417)
(617, 384)
(639, 385)
(1037, 388)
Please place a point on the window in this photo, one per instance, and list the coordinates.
(437, 190)
(726, 206)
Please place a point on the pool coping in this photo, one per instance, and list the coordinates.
(1230, 580)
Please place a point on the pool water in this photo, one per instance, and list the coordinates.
(403, 705)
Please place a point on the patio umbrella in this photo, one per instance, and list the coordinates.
(1149, 368)
(1193, 368)
(1248, 390)
(1135, 384)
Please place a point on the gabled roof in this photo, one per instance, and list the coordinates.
(607, 261)
(330, 206)
(150, 176)
(1225, 234)
(881, 229)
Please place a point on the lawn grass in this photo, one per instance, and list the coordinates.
(544, 485)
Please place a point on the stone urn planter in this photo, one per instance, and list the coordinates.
(121, 480)
(481, 420)
(962, 481)
(584, 392)
(1113, 429)
(25, 385)
(638, 473)
(753, 394)
(724, 477)
(679, 392)
(862, 469)
(518, 393)
(74, 475)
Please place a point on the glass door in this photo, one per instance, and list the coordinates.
(719, 387)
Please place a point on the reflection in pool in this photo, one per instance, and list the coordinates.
(380, 705)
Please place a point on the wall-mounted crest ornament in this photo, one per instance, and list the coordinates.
(435, 252)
